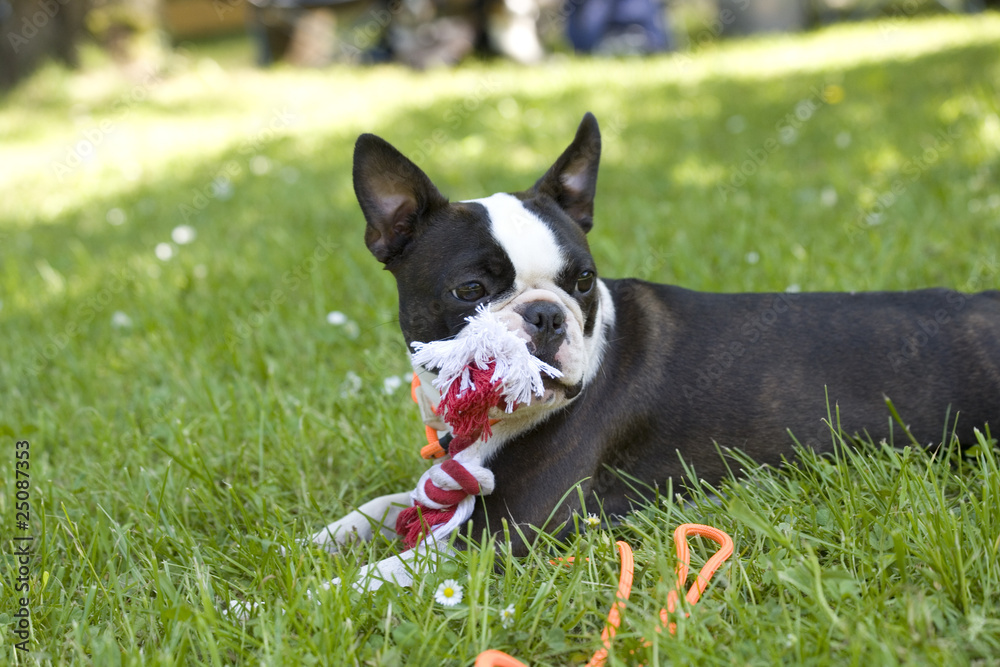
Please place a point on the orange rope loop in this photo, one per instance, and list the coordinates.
(684, 560)
(494, 658)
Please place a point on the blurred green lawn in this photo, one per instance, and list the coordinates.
(191, 402)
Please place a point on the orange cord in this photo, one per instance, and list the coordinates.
(615, 615)
(684, 559)
(433, 448)
(494, 658)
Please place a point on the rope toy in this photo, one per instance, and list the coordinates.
(486, 366)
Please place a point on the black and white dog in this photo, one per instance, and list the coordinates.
(651, 373)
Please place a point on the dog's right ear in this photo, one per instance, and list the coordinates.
(393, 194)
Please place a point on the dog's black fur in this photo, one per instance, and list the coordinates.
(647, 407)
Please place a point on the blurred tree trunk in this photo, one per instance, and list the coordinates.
(33, 30)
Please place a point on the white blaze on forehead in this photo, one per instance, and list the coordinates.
(528, 241)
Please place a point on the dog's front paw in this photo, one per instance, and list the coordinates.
(243, 610)
(339, 534)
(401, 569)
(361, 524)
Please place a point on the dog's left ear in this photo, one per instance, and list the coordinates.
(572, 180)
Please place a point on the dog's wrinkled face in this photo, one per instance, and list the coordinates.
(553, 300)
(525, 254)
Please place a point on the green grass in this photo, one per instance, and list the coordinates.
(187, 416)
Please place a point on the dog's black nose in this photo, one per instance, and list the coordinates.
(545, 317)
(545, 322)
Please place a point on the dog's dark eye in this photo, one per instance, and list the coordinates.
(585, 282)
(472, 291)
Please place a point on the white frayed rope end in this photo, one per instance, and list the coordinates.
(484, 340)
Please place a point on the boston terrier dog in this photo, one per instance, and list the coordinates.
(652, 374)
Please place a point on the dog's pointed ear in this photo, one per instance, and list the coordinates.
(393, 194)
(572, 180)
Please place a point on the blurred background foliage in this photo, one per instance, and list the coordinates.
(316, 32)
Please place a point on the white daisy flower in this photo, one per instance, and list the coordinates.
(120, 320)
(164, 251)
(592, 521)
(507, 616)
(449, 593)
(260, 165)
(391, 384)
(183, 234)
(116, 217)
(351, 385)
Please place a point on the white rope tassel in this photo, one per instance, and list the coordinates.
(486, 339)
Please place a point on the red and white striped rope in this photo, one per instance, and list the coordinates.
(486, 366)
(445, 497)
